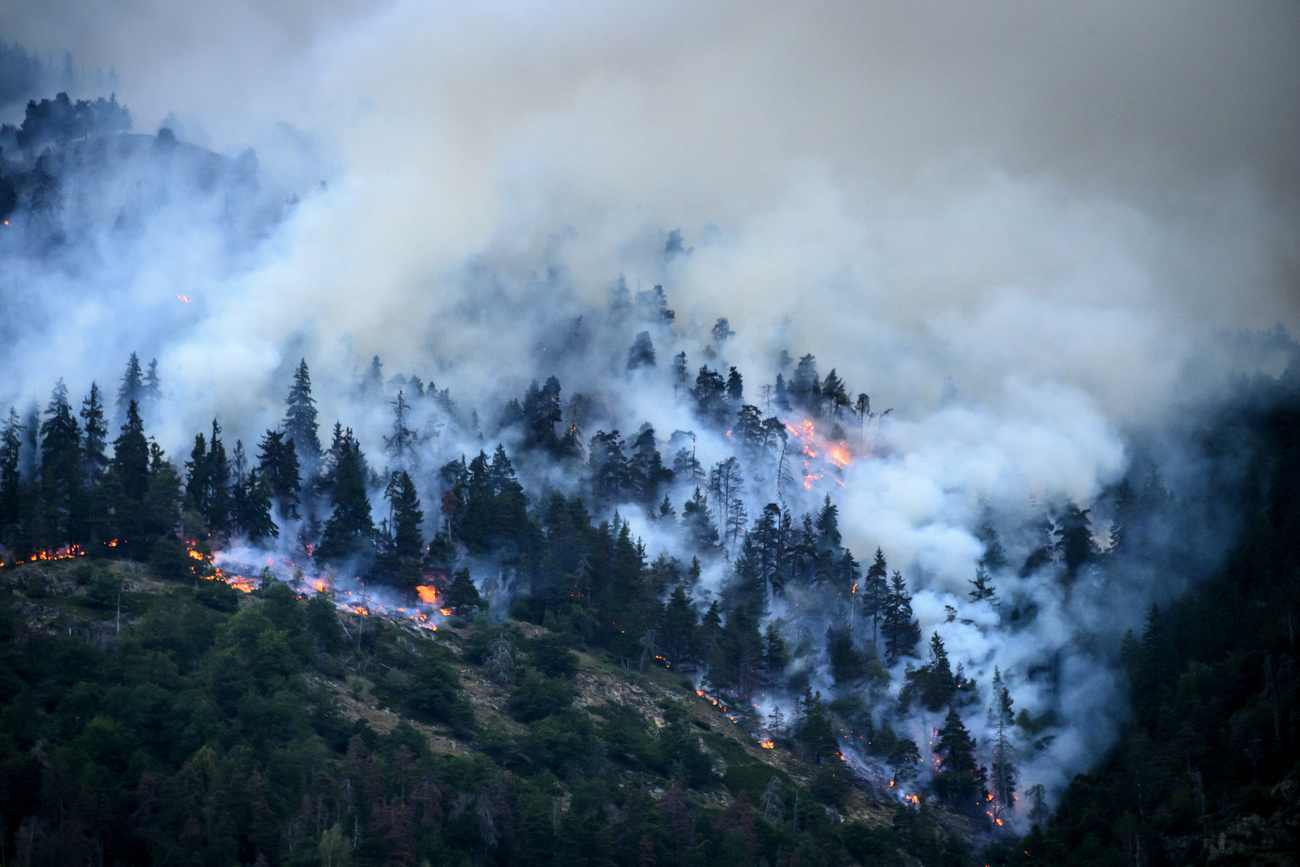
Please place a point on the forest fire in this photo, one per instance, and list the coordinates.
(67, 552)
(428, 594)
(818, 452)
(767, 745)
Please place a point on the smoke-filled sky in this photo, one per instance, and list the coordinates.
(916, 192)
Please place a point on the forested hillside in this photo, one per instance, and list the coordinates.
(653, 595)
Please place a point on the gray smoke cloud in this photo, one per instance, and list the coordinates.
(1025, 227)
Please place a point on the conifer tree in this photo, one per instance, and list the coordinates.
(217, 516)
(11, 442)
(699, 527)
(152, 387)
(132, 387)
(401, 445)
(1003, 771)
(130, 462)
(642, 352)
(875, 593)
(680, 375)
(350, 529)
(959, 780)
(899, 628)
(982, 586)
(815, 733)
(278, 462)
(62, 470)
(254, 515)
(462, 597)
(735, 387)
(95, 441)
(406, 547)
(300, 421)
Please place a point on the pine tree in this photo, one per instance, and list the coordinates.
(62, 470)
(152, 393)
(300, 421)
(828, 525)
(96, 439)
(11, 442)
(254, 516)
(899, 629)
(697, 523)
(959, 780)
(680, 375)
(407, 545)
(735, 387)
(462, 597)
(982, 587)
(278, 462)
(816, 733)
(130, 464)
(642, 352)
(1004, 774)
(217, 515)
(350, 528)
(775, 654)
(401, 445)
(132, 387)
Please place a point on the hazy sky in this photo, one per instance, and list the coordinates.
(930, 192)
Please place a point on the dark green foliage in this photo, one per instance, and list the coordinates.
(539, 696)
(462, 596)
(300, 419)
(217, 595)
(551, 656)
(278, 464)
(349, 532)
(898, 627)
(815, 732)
(847, 662)
(960, 780)
(171, 561)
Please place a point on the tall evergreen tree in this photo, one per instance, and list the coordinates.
(350, 529)
(406, 545)
(254, 509)
(278, 462)
(642, 352)
(899, 628)
(132, 387)
(96, 438)
(130, 462)
(152, 393)
(300, 421)
(11, 443)
(218, 514)
(401, 445)
(62, 471)
(1003, 771)
(959, 781)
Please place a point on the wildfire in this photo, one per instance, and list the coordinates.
(67, 552)
(817, 452)
(428, 594)
(767, 745)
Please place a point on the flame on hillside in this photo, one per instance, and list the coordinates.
(820, 455)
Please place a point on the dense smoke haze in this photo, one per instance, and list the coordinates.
(1032, 231)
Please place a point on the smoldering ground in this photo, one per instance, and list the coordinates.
(1026, 229)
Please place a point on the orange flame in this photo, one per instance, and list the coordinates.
(428, 594)
(767, 745)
